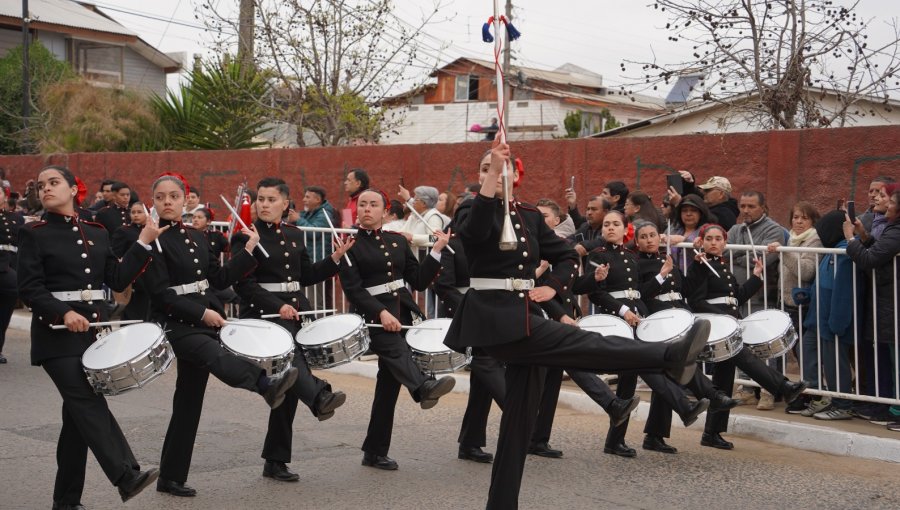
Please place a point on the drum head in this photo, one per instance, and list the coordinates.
(123, 344)
(765, 325)
(665, 325)
(428, 340)
(256, 338)
(329, 329)
(606, 325)
(721, 326)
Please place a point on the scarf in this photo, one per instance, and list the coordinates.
(799, 239)
(879, 222)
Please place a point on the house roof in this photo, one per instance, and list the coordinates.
(561, 77)
(67, 16)
(699, 106)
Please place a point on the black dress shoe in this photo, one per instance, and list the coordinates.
(175, 488)
(683, 353)
(722, 402)
(475, 453)
(691, 416)
(544, 450)
(278, 386)
(621, 449)
(327, 402)
(279, 471)
(715, 440)
(790, 391)
(133, 482)
(432, 390)
(621, 408)
(657, 444)
(379, 462)
(2, 359)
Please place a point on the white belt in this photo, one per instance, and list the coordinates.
(281, 287)
(512, 284)
(79, 295)
(626, 294)
(378, 290)
(727, 300)
(669, 296)
(190, 288)
(9, 247)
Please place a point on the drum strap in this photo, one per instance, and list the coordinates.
(79, 295)
(727, 300)
(9, 247)
(511, 284)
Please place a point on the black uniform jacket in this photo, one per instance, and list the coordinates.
(623, 275)
(454, 274)
(218, 242)
(288, 261)
(650, 264)
(9, 235)
(186, 259)
(380, 257)
(112, 217)
(701, 284)
(124, 237)
(496, 317)
(68, 254)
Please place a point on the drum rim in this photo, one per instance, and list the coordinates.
(287, 334)
(429, 334)
(789, 325)
(305, 330)
(678, 311)
(97, 344)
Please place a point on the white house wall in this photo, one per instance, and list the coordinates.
(142, 75)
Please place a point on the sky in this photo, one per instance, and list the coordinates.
(594, 34)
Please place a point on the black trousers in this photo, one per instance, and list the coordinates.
(395, 368)
(663, 389)
(723, 378)
(198, 355)
(547, 408)
(659, 419)
(487, 383)
(554, 345)
(87, 423)
(591, 384)
(7, 302)
(278, 443)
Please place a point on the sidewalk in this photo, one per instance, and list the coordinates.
(853, 438)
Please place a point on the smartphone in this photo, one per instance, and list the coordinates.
(572, 183)
(851, 209)
(675, 181)
(401, 182)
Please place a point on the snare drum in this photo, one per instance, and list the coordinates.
(606, 325)
(333, 340)
(264, 343)
(429, 351)
(769, 333)
(127, 358)
(724, 337)
(665, 325)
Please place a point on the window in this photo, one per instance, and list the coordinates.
(413, 108)
(522, 104)
(438, 107)
(466, 88)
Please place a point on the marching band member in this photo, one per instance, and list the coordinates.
(619, 294)
(178, 284)
(661, 290)
(9, 233)
(200, 220)
(375, 284)
(123, 238)
(497, 317)
(63, 286)
(276, 286)
(707, 293)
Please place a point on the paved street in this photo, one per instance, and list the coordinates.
(226, 468)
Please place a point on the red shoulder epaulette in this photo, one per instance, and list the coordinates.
(527, 207)
(93, 223)
(35, 224)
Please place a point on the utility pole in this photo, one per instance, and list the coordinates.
(26, 68)
(245, 33)
(507, 93)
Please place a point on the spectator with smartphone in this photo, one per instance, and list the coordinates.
(877, 202)
(616, 192)
(690, 214)
(589, 235)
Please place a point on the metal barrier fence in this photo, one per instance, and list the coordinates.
(883, 383)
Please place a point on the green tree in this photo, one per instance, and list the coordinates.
(572, 123)
(342, 117)
(609, 121)
(224, 106)
(45, 69)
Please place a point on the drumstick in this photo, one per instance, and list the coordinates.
(405, 327)
(337, 238)
(158, 247)
(243, 323)
(703, 259)
(313, 312)
(753, 248)
(427, 225)
(234, 214)
(99, 324)
(668, 237)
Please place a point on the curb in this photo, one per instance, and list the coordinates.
(784, 433)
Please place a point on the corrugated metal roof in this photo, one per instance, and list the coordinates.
(563, 78)
(64, 13)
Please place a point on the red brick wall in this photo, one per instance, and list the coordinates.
(818, 165)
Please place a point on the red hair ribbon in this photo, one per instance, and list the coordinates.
(520, 172)
(82, 191)
(187, 189)
(709, 226)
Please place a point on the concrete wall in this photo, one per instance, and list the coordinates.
(819, 165)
